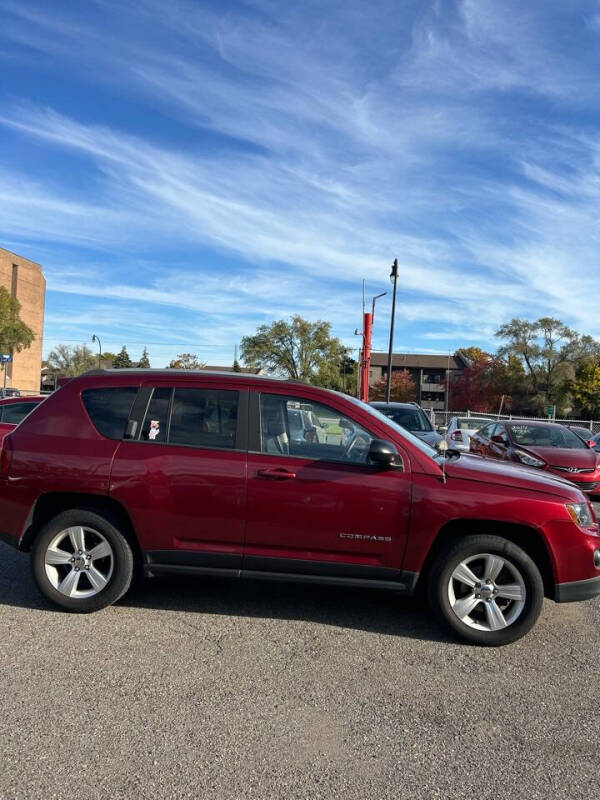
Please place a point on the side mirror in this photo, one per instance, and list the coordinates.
(384, 454)
(591, 444)
(499, 439)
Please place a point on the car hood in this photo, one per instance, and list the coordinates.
(431, 437)
(564, 457)
(487, 470)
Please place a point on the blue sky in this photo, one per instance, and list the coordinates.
(185, 171)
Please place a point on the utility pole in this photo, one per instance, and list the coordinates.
(394, 279)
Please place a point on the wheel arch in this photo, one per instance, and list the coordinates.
(526, 537)
(49, 505)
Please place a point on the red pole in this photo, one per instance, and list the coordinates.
(366, 359)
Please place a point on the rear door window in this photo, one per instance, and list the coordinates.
(204, 418)
(156, 420)
(109, 408)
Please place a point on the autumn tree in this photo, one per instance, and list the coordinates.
(481, 385)
(296, 349)
(403, 388)
(585, 389)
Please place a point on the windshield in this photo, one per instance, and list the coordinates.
(413, 419)
(546, 436)
(471, 423)
(375, 412)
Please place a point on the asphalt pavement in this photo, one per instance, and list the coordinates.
(216, 689)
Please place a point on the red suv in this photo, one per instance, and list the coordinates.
(199, 473)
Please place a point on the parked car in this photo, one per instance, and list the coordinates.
(461, 429)
(584, 433)
(14, 409)
(546, 446)
(195, 473)
(411, 417)
(9, 392)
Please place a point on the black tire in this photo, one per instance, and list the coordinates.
(121, 561)
(465, 548)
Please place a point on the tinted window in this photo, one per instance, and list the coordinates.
(154, 428)
(109, 409)
(15, 412)
(298, 427)
(413, 419)
(204, 418)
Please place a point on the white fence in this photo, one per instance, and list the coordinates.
(443, 418)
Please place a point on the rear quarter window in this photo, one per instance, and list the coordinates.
(109, 409)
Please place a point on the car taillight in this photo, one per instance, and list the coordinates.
(5, 456)
(456, 436)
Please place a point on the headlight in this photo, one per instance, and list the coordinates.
(581, 514)
(531, 461)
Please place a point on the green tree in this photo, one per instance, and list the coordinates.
(186, 361)
(550, 352)
(144, 362)
(15, 335)
(298, 349)
(122, 360)
(108, 360)
(236, 366)
(66, 361)
(403, 388)
(585, 389)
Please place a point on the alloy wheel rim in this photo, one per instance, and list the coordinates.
(487, 592)
(79, 562)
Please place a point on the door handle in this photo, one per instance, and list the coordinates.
(276, 474)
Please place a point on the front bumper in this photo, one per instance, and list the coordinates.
(577, 590)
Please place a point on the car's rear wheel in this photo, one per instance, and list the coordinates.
(487, 589)
(81, 561)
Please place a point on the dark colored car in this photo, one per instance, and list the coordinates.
(546, 446)
(196, 473)
(411, 417)
(14, 409)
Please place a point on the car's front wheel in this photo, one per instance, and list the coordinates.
(81, 561)
(487, 589)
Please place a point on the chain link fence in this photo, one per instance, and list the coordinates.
(441, 419)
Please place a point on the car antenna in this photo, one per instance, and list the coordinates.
(442, 447)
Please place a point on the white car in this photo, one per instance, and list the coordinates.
(460, 429)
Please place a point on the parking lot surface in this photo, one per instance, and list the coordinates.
(220, 689)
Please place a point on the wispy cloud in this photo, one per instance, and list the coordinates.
(285, 156)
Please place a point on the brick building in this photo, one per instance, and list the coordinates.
(25, 280)
(427, 371)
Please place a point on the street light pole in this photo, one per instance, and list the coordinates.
(394, 277)
(96, 339)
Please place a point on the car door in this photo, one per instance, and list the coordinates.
(182, 474)
(316, 506)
